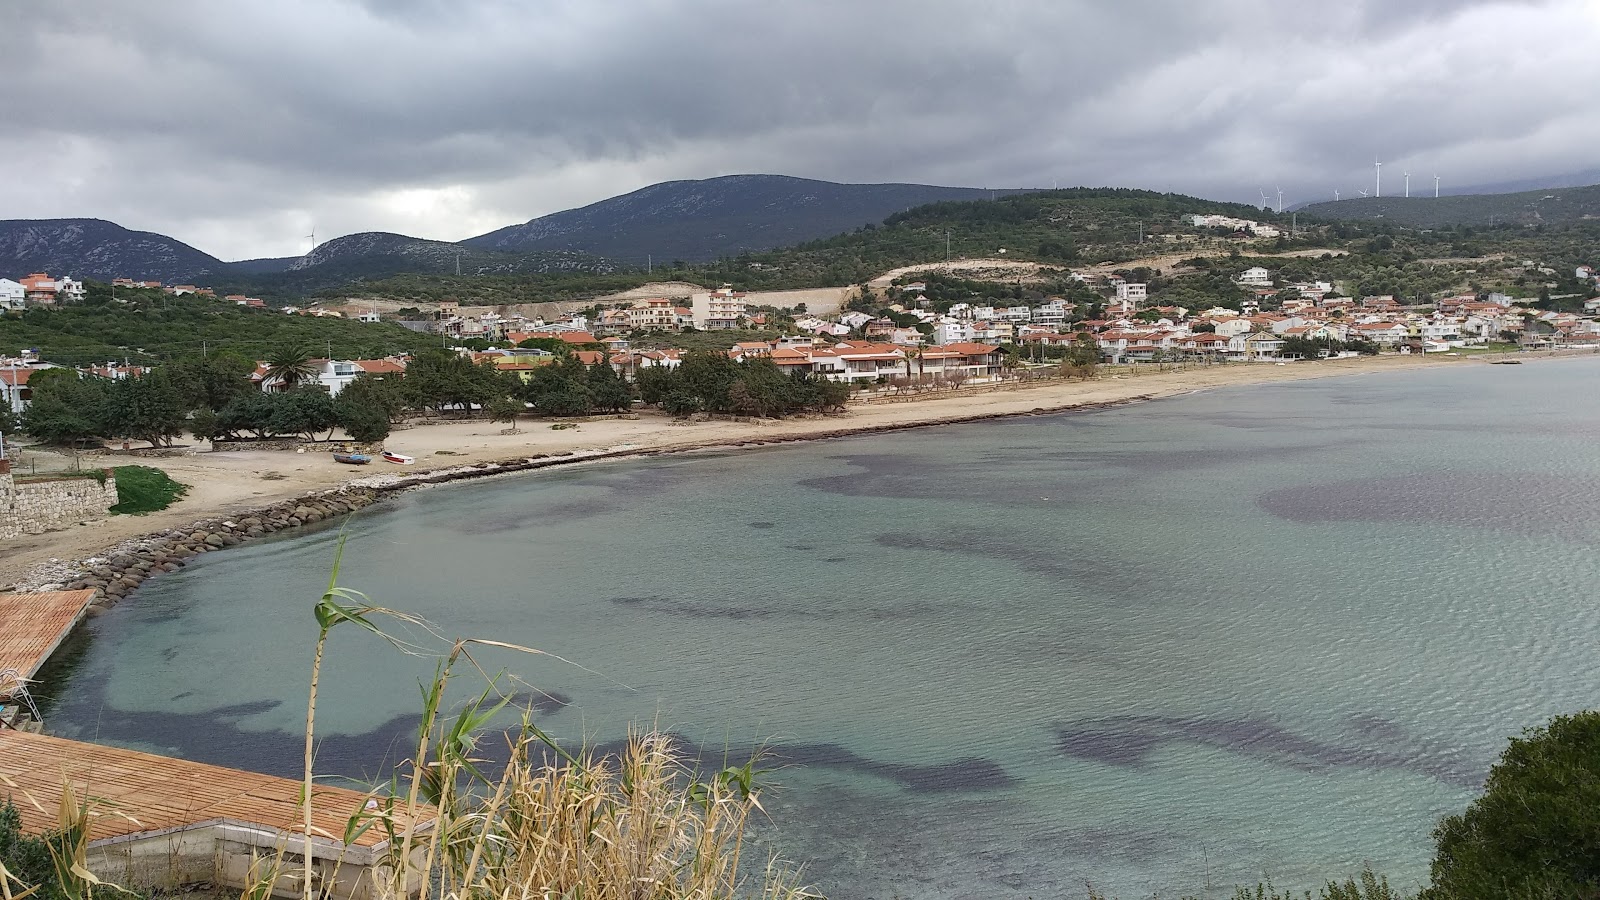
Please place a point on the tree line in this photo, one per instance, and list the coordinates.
(216, 397)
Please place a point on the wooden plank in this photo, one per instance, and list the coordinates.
(32, 626)
(158, 792)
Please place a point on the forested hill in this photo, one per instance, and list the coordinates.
(701, 220)
(147, 326)
(1548, 206)
(1076, 226)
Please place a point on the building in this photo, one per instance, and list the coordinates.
(1255, 276)
(39, 289)
(720, 309)
(12, 294)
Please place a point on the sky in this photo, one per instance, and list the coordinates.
(242, 127)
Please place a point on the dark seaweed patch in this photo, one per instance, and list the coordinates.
(1520, 503)
(1130, 741)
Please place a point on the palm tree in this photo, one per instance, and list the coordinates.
(290, 365)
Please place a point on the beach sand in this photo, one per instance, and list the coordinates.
(231, 483)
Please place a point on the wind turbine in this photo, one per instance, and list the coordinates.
(1435, 187)
(1336, 195)
(1280, 201)
(312, 237)
(1364, 193)
(1379, 186)
(1264, 203)
(1408, 184)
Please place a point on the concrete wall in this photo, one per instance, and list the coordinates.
(34, 507)
(238, 856)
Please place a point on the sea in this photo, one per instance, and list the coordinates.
(1272, 631)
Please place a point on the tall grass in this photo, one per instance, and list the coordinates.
(643, 824)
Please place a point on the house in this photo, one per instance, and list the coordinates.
(1384, 334)
(14, 391)
(1132, 292)
(332, 374)
(656, 314)
(950, 332)
(39, 289)
(12, 294)
(1255, 276)
(720, 309)
(857, 361)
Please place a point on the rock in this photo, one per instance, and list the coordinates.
(197, 537)
(214, 540)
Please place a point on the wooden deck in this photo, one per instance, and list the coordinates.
(160, 794)
(32, 626)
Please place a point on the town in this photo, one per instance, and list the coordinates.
(903, 341)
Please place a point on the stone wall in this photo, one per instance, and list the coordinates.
(37, 506)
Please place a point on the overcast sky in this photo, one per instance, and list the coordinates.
(237, 127)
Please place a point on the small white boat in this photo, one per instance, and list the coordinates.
(400, 458)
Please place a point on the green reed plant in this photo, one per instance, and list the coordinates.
(644, 824)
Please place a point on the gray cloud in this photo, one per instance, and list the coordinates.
(237, 127)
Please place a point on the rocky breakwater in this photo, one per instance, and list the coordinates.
(117, 572)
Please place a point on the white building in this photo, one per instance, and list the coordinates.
(1132, 292)
(69, 290)
(12, 294)
(950, 332)
(1256, 276)
(720, 309)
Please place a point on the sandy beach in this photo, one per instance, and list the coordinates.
(231, 483)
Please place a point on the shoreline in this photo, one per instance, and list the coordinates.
(116, 554)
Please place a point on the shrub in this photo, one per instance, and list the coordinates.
(1535, 832)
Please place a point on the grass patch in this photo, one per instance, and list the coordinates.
(142, 489)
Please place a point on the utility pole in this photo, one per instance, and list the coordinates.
(947, 245)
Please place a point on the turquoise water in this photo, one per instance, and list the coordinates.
(1275, 630)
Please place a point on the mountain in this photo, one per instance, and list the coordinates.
(701, 220)
(1546, 206)
(357, 258)
(95, 248)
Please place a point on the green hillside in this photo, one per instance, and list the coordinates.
(1079, 226)
(1552, 206)
(152, 327)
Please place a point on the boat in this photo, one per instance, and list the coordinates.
(1505, 362)
(400, 458)
(352, 459)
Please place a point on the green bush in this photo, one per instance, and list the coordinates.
(1535, 832)
(142, 489)
(28, 859)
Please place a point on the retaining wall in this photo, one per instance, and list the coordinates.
(37, 506)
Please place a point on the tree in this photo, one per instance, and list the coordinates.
(66, 407)
(1535, 832)
(8, 420)
(291, 366)
(212, 381)
(250, 412)
(303, 411)
(383, 393)
(607, 390)
(360, 416)
(505, 408)
(147, 408)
